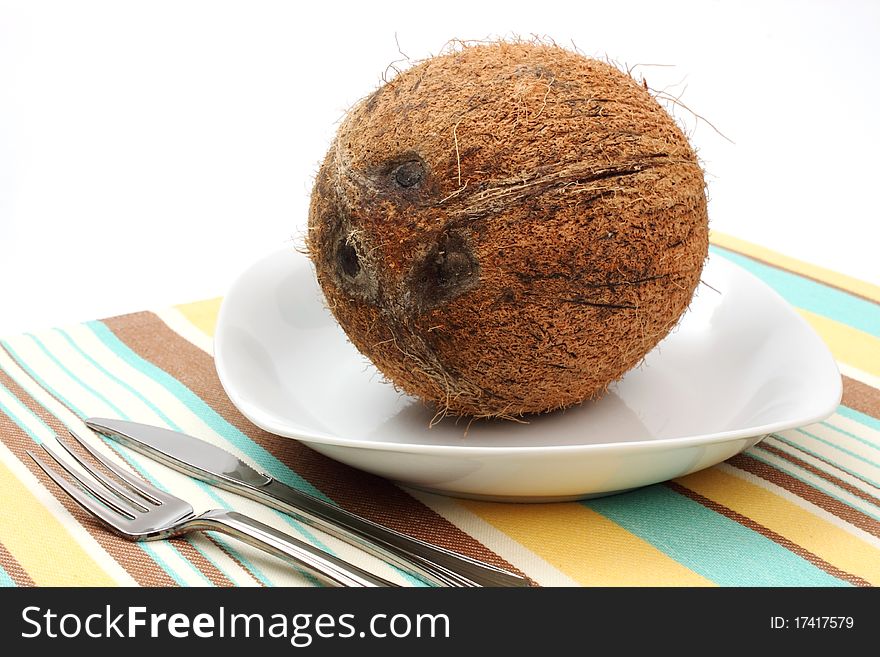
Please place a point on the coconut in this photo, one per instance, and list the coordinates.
(508, 228)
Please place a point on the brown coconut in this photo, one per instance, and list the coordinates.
(508, 228)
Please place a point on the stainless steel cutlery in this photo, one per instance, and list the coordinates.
(145, 513)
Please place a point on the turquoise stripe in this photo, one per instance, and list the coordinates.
(707, 542)
(5, 580)
(860, 417)
(263, 458)
(849, 434)
(811, 295)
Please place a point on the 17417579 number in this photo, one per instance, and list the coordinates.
(812, 622)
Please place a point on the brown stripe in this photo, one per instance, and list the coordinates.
(209, 570)
(796, 273)
(14, 569)
(214, 575)
(779, 539)
(235, 557)
(128, 554)
(784, 480)
(827, 476)
(861, 397)
(364, 494)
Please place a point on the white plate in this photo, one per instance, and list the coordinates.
(741, 364)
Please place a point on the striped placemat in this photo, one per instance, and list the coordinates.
(801, 508)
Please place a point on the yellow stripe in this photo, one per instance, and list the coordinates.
(514, 553)
(586, 546)
(852, 346)
(202, 314)
(825, 540)
(41, 543)
(854, 285)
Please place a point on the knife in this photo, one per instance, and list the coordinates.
(217, 467)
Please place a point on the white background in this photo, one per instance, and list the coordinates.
(151, 151)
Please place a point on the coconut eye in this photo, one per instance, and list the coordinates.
(350, 266)
(451, 269)
(447, 270)
(348, 261)
(409, 174)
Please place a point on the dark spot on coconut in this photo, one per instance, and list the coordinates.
(447, 270)
(405, 178)
(409, 174)
(350, 271)
(452, 268)
(348, 260)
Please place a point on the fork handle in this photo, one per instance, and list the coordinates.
(315, 561)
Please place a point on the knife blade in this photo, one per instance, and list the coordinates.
(215, 466)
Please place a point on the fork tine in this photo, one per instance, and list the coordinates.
(113, 502)
(114, 487)
(90, 504)
(142, 488)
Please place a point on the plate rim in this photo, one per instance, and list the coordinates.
(255, 415)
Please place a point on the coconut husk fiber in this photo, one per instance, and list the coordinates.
(508, 228)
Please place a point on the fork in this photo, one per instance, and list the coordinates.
(139, 511)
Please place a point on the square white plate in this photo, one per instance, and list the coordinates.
(740, 365)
